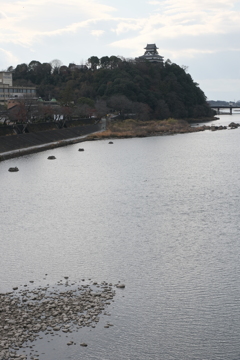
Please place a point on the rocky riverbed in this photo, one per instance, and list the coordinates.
(29, 313)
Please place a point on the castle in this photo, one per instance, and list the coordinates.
(151, 55)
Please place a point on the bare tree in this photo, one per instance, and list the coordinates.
(24, 110)
(101, 108)
(56, 64)
(185, 68)
(45, 112)
(142, 111)
(120, 103)
(83, 110)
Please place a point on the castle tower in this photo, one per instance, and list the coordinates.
(151, 55)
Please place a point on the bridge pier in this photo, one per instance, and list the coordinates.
(219, 108)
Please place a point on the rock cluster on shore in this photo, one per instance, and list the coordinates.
(233, 125)
(26, 314)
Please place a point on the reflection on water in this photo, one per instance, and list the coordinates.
(160, 214)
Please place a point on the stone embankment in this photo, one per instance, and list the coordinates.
(28, 314)
(21, 144)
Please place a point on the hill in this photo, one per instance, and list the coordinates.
(147, 90)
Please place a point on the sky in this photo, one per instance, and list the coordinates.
(200, 34)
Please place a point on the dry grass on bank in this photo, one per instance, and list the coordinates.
(133, 128)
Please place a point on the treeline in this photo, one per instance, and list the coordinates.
(145, 89)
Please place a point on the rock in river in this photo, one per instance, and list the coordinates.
(120, 286)
(13, 169)
(25, 314)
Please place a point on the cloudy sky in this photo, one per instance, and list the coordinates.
(201, 34)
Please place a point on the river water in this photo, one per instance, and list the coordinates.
(160, 214)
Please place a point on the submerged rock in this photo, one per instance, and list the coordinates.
(13, 169)
(51, 157)
(120, 286)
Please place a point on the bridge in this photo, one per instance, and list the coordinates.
(219, 107)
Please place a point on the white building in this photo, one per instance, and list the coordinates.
(6, 78)
(7, 90)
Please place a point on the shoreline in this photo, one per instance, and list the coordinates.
(128, 129)
(23, 144)
(35, 149)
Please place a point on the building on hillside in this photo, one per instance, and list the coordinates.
(151, 55)
(74, 67)
(7, 90)
(6, 78)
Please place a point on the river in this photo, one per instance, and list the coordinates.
(160, 214)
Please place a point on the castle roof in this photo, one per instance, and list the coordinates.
(151, 54)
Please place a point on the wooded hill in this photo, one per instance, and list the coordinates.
(145, 89)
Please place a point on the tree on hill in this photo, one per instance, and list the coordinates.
(94, 62)
(160, 91)
(120, 103)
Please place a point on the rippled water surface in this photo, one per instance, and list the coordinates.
(160, 214)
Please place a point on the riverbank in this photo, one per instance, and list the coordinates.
(34, 149)
(132, 128)
(23, 144)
